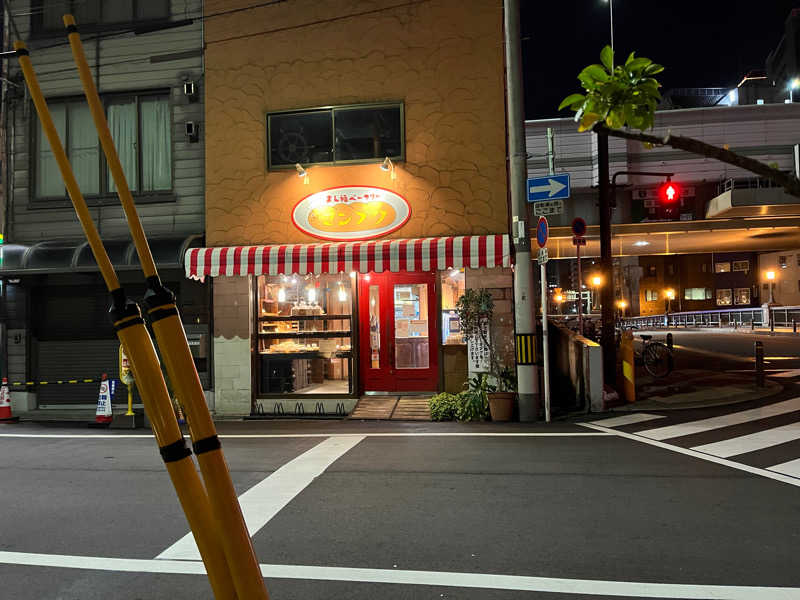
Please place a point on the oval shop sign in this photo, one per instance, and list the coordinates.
(351, 213)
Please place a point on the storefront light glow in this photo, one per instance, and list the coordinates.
(281, 295)
(312, 295)
(342, 294)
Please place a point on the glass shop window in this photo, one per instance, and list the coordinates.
(453, 284)
(305, 337)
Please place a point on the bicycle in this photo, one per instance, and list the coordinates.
(656, 357)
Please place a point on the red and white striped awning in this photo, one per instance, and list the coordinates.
(426, 254)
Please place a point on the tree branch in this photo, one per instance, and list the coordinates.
(788, 182)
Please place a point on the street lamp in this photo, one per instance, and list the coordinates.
(611, 14)
(621, 304)
(597, 281)
(770, 275)
(670, 294)
(793, 85)
(559, 300)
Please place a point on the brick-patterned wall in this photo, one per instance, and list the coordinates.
(500, 282)
(232, 383)
(442, 58)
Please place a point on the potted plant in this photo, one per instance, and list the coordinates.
(476, 312)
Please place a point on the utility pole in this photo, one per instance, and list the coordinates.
(606, 267)
(524, 323)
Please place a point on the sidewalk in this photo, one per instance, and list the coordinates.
(697, 388)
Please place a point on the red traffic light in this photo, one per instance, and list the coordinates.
(669, 192)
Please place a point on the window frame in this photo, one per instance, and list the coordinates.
(736, 296)
(734, 268)
(104, 197)
(719, 267)
(37, 18)
(333, 108)
(730, 293)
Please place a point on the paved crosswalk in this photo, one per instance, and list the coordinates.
(765, 437)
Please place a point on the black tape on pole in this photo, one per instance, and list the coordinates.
(206, 445)
(162, 313)
(175, 451)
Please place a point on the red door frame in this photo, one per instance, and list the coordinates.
(388, 378)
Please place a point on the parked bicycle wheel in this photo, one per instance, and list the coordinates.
(657, 359)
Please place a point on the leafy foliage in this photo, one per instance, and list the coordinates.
(474, 401)
(444, 407)
(622, 95)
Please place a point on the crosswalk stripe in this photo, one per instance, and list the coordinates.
(736, 418)
(627, 419)
(752, 442)
(788, 468)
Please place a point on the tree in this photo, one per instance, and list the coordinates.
(623, 98)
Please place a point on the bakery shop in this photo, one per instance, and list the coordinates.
(349, 203)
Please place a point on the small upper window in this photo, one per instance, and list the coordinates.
(741, 296)
(722, 267)
(782, 262)
(741, 265)
(651, 271)
(345, 134)
(724, 297)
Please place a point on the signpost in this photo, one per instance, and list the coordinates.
(578, 231)
(542, 233)
(549, 187)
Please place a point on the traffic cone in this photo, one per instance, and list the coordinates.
(103, 414)
(5, 404)
(178, 411)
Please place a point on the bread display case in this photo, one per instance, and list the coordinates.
(304, 335)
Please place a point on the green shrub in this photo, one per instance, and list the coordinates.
(444, 407)
(472, 406)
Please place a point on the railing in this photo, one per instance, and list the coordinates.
(739, 183)
(780, 316)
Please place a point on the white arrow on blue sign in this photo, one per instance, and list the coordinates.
(549, 187)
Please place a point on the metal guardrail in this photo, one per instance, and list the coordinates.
(780, 316)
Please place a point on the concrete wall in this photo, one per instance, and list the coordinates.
(576, 371)
(232, 358)
(442, 58)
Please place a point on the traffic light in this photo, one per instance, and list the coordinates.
(669, 199)
(669, 192)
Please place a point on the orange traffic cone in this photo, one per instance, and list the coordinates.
(103, 414)
(5, 404)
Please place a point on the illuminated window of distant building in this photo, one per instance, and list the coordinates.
(697, 294)
(741, 296)
(650, 295)
(651, 271)
(741, 265)
(724, 297)
(722, 267)
(782, 262)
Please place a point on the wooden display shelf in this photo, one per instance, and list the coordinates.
(304, 318)
(287, 335)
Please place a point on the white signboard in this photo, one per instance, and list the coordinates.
(478, 353)
(351, 213)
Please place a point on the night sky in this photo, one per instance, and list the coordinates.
(702, 43)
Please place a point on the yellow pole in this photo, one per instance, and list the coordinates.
(133, 335)
(171, 338)
(130, 412)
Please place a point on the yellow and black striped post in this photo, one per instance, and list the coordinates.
(526, 348)
(133, 335)
(171, 337)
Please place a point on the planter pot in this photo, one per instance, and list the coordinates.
(501, 405)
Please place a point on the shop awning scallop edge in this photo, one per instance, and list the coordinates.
(396, 256)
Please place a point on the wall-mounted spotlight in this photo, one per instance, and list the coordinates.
(388, 165)
(301, 172)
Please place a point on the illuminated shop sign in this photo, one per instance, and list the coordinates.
(351, 213)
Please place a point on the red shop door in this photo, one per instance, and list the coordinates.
(399, 340)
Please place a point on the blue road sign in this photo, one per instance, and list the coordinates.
(549, 187)
(542, 231)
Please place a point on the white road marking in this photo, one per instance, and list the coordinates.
(266, 499)
(736, 418)
(752, 442)
(702, 456)
(788, 468)
(593, 587)
(82, 436)
(627, 419)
